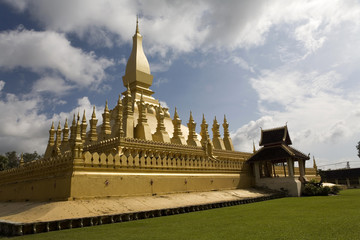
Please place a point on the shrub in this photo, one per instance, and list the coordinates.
(315, 188)
(311, 190)
(335, 190)
(325, 191)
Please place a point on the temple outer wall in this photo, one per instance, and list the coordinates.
(99, 176)
(83, 185)
(40, 180)
(44, 189)
(92, 185)
(114, 176)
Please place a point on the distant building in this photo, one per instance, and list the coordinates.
(349, 177)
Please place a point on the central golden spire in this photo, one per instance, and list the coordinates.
(137, 74)
(137, 25)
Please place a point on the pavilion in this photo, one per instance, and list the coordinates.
(273, 164)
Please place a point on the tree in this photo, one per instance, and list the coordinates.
(358, 148)
(4, 161)
(13, 159)
(28, 157)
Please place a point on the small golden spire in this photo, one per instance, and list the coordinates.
(204, 132)
(22, 159)
(215, 129)
(94, 113)
(83, 127)
(106, 106)
(225, 121)
(84, 117)
(314, 163)
(119, 100)
(203, 119)
(93, 137)
(176, 115)
(65, 136)
(254, 149)
(73, 121)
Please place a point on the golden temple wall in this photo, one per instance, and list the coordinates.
(39, 180)
(108, 175)
(157, 169)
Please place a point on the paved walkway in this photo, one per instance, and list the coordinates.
(30, 212)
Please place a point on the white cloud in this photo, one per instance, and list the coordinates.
(22, 127)
(25, 129)
(201, 24)
(55, 85)
(160, 81)
(164, 104)
(122, 61)
(286, 86)
(2, 84)
(51, 53)
(321, 117)
(241, 63)
(244, 137)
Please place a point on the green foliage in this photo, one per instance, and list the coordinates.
(28, 157)
(312, 190)
(3, 162)
(325, 191)
(315, 188)
(12, 160)
(286, 218)
(335, 190)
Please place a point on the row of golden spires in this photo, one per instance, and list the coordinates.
(123, 126)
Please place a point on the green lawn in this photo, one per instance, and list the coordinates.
(333, 217)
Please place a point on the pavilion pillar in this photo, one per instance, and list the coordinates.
(256, 170)
(284, 169)
(301, 167)
(290, 164)
(273, 165)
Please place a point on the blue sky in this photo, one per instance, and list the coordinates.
(262, 63)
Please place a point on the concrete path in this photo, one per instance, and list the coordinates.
(30, 212)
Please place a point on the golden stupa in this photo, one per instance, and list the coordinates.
(137, 150)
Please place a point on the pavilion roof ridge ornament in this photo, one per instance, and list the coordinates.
(274, 128)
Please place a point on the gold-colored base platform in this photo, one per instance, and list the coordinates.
(21, 218)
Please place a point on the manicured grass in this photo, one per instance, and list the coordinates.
(333, 217)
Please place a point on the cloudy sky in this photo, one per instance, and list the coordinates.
(262, 63)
